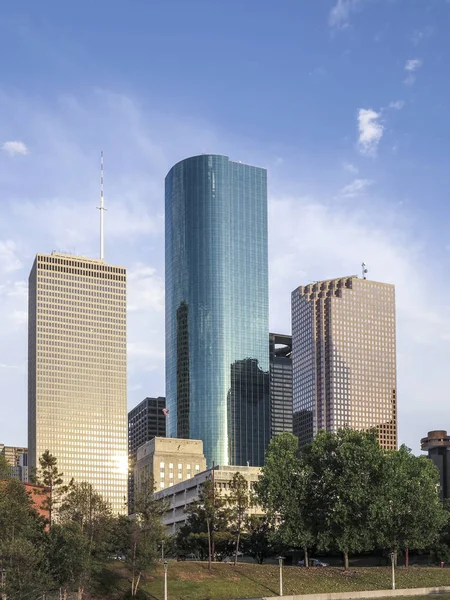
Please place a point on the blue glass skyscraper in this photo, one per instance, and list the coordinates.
(217, 355)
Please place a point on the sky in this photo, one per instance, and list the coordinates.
(345, 102)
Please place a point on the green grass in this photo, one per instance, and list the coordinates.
(193, 581)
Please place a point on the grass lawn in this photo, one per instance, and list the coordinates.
(193, 581)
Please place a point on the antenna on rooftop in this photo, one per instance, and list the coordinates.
(365, 270)
(102, 209)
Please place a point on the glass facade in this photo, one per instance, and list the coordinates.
(344, 358)
(280, 348)
(77, 371)
(217, 356)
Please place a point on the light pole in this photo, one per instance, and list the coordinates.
(166, 564)
(393, 569)
(280, 562)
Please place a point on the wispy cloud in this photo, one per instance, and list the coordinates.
(339, 17)
(15, 147)
(420, 35)
(370, 131)
(351, 168)
(9, 259)
(356, 188)
(411, 67)
(397, 105)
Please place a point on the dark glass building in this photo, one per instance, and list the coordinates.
(280, 349)
(217, 356)
(437, 444)
(145, 421)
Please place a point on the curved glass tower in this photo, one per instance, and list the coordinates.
(217, 355)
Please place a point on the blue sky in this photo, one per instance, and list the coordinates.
(345, 102)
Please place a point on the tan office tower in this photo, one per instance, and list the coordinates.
(344, 358)
(77, 399)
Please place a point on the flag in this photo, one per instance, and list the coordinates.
(165, 412)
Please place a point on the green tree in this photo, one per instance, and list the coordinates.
(142, 536)
(259, 539)
(83, 505)
(209, 513)
(239, 501)
(22, 567)
(49, 476)
(408, 510)
(69, 558)
(282, 492)
(5, 468)
(18, 516)
(22, 540)
(344, 477)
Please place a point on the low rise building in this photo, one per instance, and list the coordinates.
(169, 460)
(181, 495)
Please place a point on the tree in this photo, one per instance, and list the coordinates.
(68, 557)
(344, 477)
(18, 516)
(209, 512)
(5, 468)
(143, 535)
(239, 500)
(408, 511)
(83, 505)
(281, 491)
(22, 567)
(52, 480)
(22, 539)
(259, 539)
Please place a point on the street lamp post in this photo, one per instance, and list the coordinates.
(393, 569)
(166, 564)
(280, 562)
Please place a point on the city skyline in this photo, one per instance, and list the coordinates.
(354, 144)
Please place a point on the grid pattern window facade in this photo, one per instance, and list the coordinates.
(77, 394)
(145, 422)
(344, 358)
(217, 356)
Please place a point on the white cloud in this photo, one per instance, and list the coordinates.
(397, 105)
(9, 261)
(15, 147)
(351, 168)
(370, 131)
(412, 65)
(356, 188)
(145, 289)
(340, 13)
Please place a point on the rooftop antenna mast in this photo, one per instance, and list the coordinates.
(102, 209)
(364, 270)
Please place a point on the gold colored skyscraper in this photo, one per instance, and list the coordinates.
(77, 397)
(344, 358)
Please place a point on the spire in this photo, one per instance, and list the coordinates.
(102, 210)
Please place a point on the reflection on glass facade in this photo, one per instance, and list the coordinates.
(280, 348)
(217, 356)
(344, 358)
(77, 371)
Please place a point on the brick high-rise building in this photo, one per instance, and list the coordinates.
(77, 371)
(344, 358)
